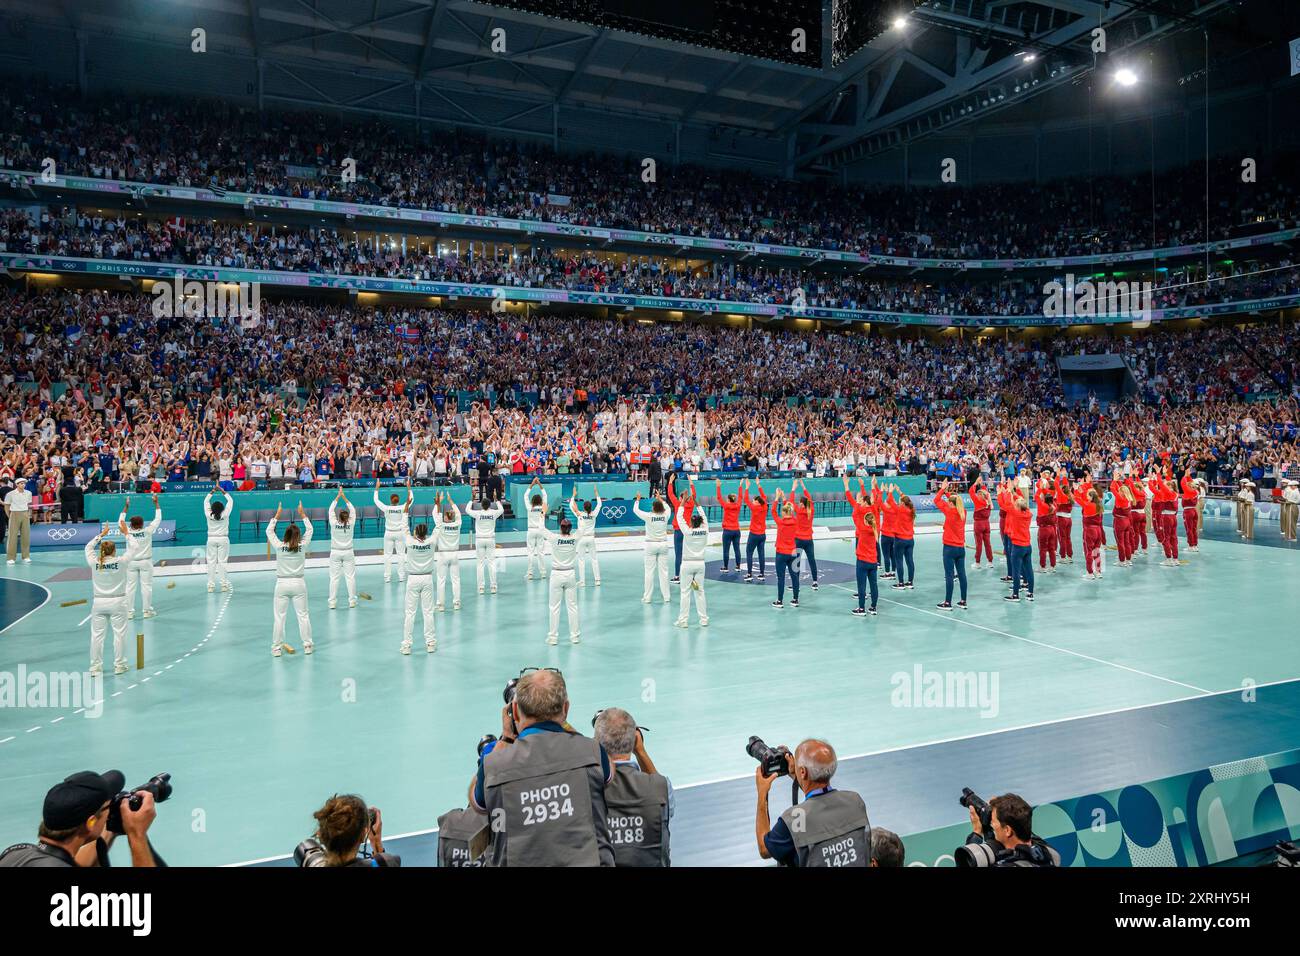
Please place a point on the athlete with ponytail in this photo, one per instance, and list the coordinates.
(954, 545)
(108, 583)
(866, 552)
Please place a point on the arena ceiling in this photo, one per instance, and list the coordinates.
(954, 63)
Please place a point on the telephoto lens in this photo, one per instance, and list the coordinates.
(772, 759)
(486, 739)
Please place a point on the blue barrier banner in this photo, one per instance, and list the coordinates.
(616, 512)
(77, 535)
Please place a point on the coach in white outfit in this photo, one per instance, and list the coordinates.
(108, 580)
(139, 557)
(18, 509)
(485, 540)
(343, 560)
(218, 515)
(694, 545)
(564, 554)
(395, 528)
(586, 516)
(420, 550)
(290, 579)
(448, 517)
(657, 547)
(537, 533)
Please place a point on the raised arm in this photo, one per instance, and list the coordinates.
(157, 516)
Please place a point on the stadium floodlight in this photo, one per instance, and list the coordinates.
(900, 23)
(1126, 77)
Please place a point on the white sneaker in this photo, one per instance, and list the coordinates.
(456, 606)
(575, 638)
(597, 582)
(440, 607)
(27, 560)
(406, 648)
(552, 640)
(12, 561)
(388, 580)
(430, 646)
(94, 668)
(480, 590)
(704, 622)
(332, 605)
(212, 588)
(149, 612)
(275, 651)
(119, 668)
(494, 589)
(352, 602)
(308, 648)
(582, 584)
(130, 615)
(226, 586)
(645, 600)
(680, 622)
(529, 578)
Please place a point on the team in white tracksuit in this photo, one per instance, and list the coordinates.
(485, 540)
(108, 581)
(218, 542)
(139, 560)
(448, 551)
(564, 555)
(290, 584)
(395, 528)
(694, 543)
(343, 561)
(586, 530)
(419, 589)
(537, 534)
(657, 547)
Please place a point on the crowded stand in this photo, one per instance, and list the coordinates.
(217, 145)
(314, 392)
(60, 231)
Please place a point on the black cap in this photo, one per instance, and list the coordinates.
(78, 798)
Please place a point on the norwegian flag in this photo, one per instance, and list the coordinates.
(408, 333)
(176, 224)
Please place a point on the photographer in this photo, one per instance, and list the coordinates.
(542, 783)
(342, 826)
(639, 800)
(830, 828)
(1003, 835)
(886, 848)
(74, 825)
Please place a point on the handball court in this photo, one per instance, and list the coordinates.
(1095, 685)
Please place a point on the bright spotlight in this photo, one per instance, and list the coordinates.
(1126, 77)
(900, 23)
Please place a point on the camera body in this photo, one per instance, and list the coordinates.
(771, 759)
(970, 799)
(159, 785)
(508, 695)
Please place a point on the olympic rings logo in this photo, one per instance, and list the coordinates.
(614, 511)
(61, 534)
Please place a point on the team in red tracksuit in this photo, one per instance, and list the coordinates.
(867, 550)
(981, 507)
(1046, 503)
(730, 505)
(1138, 520)
(1166, 501)
(785, 551)
(1121, 518)
(757, 540)
(1002, 532)
(1064, 522)
(803, 532)
(1191, 494)
(1018, 522)
(1094, 534)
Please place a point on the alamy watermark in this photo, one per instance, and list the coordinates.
(178, 297)
(672, 428)
(1087, 299)
(952, 690)
(52, 690)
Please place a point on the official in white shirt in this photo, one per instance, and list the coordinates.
(18, 509)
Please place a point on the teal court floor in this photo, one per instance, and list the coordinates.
(1094, 682)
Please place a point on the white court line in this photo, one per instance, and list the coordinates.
(84, 620)
(956, 618)
(33, 610)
